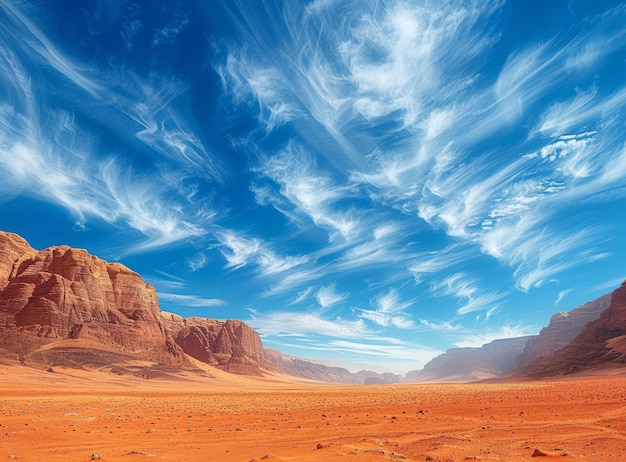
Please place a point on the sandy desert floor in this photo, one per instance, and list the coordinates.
(72, 416)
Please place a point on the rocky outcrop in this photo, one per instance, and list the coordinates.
(492, 360)
(563, 328)
(13, 251)
(230, 345)
(600, 344)
(63, 306)
(298, 367)
(63, 293)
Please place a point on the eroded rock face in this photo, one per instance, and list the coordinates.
(13, 251)
(600, 344)
(86, 310)
(230, 345)
(63, 293)
(563, 328)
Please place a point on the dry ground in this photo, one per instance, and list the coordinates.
(78, 416)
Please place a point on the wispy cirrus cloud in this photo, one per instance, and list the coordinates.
(41, 49)
(239, 251)
(475, 340)
(417, 71)
(59, 156)
(389, 310)
(441, 326)
(469, 293)
(166, 35)
(89, 188)
(327, 296)
(197, 262)
(306, 191)
(298, 324)
(191, 300)
(430, 264)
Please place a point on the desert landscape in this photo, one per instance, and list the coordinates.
(81, 416)
(92, 369)
(316, 230)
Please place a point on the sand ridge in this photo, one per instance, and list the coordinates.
(79, 415)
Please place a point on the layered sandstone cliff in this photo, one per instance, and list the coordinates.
(230, 345)
(600, 344)
(561, 330)
(63, 293)
(63, 306)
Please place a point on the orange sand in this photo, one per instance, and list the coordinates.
(80, 416)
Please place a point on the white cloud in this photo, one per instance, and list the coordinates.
(310, 191)
(562, 294)
(418, 355)
(585, 108)
(51, 154)
(90, 188)
(168, 33)
(482, 302)
(389, 311)
(246, 78)
(431, 263)
(240, 251)
(443, 326)
(301, 296)
(197, 262)
(300, 324)
(507, 331)
(45, 50)
(468, 290)
(191, 300)
(327, 296)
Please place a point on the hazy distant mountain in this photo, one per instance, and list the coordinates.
(299, 367)
(601, 344)
(493, 359)
(563, 328)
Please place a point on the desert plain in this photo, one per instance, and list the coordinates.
(71, 415)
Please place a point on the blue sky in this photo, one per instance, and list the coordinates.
(367, 182)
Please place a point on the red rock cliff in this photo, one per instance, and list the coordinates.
(600, 344)
(64, 306)
(62, 293)
(230, 345)
(563, 328)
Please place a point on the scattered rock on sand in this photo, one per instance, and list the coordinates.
(545, 453)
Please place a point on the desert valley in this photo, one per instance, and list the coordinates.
(93, 370)
(312, 230)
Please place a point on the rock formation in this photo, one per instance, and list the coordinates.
(492, 360)
(600, 344)
(563, 328)
(230, 345)
(63, 293)
(63, 306)
(298, 367)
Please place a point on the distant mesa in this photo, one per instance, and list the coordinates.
(307, 369)
(492, 360)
